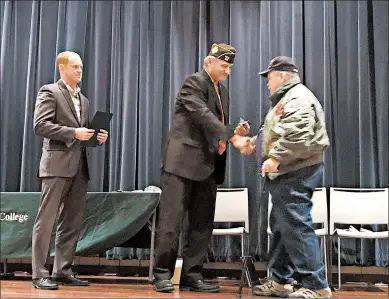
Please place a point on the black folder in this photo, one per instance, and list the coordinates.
(100, 121)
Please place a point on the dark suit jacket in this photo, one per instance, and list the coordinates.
(55, 120)
(191, 146)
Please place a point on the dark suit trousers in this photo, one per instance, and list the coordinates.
(63, 199)
(197, 199)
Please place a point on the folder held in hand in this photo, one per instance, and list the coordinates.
(100, 121)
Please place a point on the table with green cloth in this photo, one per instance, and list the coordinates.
(110, 219)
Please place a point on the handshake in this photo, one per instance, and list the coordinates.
(246, 145)
(243, 143)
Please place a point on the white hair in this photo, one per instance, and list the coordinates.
(208, 58)
(291, 75)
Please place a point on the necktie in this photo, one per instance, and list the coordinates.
(222, 145)
(220, 102)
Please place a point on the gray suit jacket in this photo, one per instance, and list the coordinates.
(55, 120)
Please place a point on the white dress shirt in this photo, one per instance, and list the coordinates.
(75, 98)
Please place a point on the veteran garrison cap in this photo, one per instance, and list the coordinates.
(223, 51)
(280, 63)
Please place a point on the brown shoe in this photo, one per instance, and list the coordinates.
(307, 293)
(272, 288)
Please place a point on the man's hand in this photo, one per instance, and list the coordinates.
(222, 146)
(242, 129)
(270, 165)
(102, 136)
(239, 141)
(83, 133)
(248, 148)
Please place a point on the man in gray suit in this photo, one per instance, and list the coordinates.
(61, 117)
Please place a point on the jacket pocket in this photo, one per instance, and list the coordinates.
(56, 145)
(191, 142)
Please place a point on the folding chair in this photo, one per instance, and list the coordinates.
(232, 206)
(357, 206)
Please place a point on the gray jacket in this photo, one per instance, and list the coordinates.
(55, 119)
(294, 130)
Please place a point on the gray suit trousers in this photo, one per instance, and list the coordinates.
(63, 199)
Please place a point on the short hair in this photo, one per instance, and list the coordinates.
(292, 75)
(63, 57)
(208, 58)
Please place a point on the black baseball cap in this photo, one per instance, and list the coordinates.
(280, 63)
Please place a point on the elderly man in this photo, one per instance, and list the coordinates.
(61, 117)
(193, 163)
(291, 145)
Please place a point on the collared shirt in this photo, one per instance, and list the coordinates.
(75, 98)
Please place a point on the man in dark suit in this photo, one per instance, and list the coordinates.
(193, 163)
(61, 117)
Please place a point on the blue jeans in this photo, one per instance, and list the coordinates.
(294, 247)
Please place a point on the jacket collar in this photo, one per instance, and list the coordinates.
(211, 88)
(282, 90)
(207, 76)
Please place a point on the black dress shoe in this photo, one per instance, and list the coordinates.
(164, 286)
(44, 284)
(70, 280)
(199, 286)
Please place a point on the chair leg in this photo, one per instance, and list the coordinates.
(325, 255)
(339, 278)
(268, 253)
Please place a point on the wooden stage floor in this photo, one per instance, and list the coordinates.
(130, 287)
